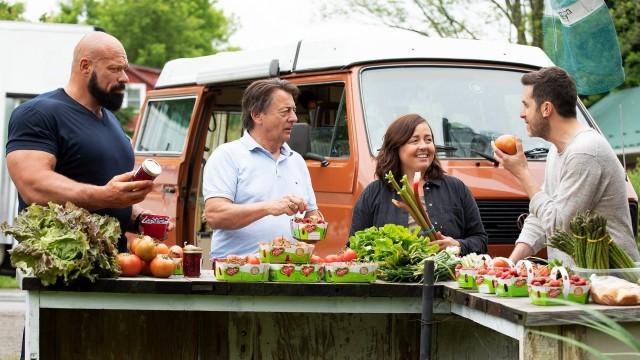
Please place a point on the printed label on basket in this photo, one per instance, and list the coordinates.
(342, 271)
(307, 270)
(287, 270)
(232, 270)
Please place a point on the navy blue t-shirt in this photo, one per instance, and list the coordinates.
(87, 149)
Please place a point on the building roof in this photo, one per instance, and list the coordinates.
(142, 74)
(321, 51)
(609, 111)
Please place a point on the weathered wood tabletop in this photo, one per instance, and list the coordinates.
(318, 320)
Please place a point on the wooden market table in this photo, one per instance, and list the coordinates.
(182, 318)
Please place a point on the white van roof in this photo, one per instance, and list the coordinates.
(320, 52)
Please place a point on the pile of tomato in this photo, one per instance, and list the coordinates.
(149, 257)
(342, 256)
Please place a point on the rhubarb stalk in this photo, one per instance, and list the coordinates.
(413, 204)
(423, 211)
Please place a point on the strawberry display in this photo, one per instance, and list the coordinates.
(282, 250)
(308, 228)
(558, 285)
(512, 282)
(241, 268)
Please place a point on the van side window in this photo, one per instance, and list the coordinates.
(164, 127)
(322, 107)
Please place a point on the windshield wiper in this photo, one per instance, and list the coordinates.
(486, 156)
(536, 152)
(441, 148)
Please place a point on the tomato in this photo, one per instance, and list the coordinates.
(331, 258)
(506, 144)
(134, 243)
(543, 270)
(146, 269)
(252, 259)
(500, 262)
(175, 251)
(130, 264)
(555, 283)
(162, 266)
(146, 249)
(162, 249)
(315, 259)
(348, 255)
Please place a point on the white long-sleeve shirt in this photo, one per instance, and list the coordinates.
(585, 176)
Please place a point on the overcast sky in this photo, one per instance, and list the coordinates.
(281, 20)
(265, 22)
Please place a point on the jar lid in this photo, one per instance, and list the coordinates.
(151, 167)
(191, 249)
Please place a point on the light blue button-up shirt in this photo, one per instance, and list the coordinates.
(245, 172)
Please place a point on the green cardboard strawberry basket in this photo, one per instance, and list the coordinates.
(296, 272)
(516, 286)
(308, 231)
(241, 273)
(544, 294)
(343, 272)
(299, 253)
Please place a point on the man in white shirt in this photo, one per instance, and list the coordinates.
(252, 186)
(582, 171)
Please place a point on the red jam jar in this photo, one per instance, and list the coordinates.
(191, 259)
(148, 170)
(155, 226)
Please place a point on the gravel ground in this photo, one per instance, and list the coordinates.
(11, 323)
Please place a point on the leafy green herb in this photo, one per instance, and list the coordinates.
(400, 253)
(67, 242)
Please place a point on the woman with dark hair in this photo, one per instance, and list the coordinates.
(408, 147)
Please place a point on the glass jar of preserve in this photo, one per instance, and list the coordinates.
(148, 170)
(191, 260)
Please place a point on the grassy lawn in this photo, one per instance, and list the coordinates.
(8, 282)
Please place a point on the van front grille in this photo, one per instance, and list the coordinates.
(500, 219)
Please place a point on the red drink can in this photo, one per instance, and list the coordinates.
(148, 170)
(191, 259)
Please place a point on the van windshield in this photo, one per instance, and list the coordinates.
(466, 107)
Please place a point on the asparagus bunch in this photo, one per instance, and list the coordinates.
(563, 242)
(590, 244)
(577, 225)
(597, 248)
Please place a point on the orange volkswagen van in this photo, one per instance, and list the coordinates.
(351, 88)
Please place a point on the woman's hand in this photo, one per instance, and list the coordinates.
(444, 241)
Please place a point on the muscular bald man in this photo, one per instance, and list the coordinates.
(67, 145)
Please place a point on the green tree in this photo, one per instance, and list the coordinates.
(626, 18)
(444, 18)
(154, 31)
(11, 12)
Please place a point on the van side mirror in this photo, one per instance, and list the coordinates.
(300, 142)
